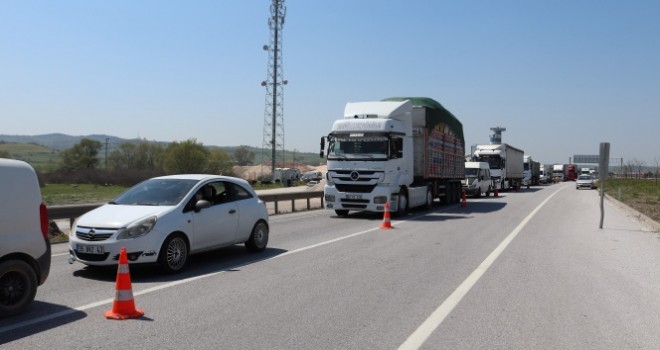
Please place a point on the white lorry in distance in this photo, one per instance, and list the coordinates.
(505, 161)
(531, 172)
(477, 179)
(405, 151)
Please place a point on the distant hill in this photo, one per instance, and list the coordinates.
(44, 150)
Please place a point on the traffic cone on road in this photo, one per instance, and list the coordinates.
(123, 306)
(464, 201)
(386, 217)
(496, 193)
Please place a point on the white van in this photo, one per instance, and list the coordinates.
(24, 244)
(477, 179)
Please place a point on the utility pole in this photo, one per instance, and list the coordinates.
(106, 153)
(273, 135)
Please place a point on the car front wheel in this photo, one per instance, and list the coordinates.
(18, 286)
(258, 238)
(173, 254)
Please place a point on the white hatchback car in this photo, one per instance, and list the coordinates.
(164, 219)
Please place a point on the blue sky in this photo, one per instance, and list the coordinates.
(561, 76)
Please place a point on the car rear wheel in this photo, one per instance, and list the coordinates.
(173, 254)
(258, 238)
(18, 286)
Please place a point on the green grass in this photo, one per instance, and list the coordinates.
(39, 157)
(640, 194)
(63, 194)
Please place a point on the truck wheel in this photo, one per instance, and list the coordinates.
(488, 192)
(341, 212)
(18, 286)
(429, 198)
(403, 203)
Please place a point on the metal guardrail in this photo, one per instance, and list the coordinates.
(71, 212)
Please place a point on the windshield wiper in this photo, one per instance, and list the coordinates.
(112, 202)
(148, 204)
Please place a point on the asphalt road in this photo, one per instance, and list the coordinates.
(526, 270)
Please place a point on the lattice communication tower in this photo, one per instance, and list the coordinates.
(273, 139)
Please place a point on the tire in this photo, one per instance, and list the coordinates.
(341, 212)
(429, 199)
(18, 286)
(488, 192)
(173, 254)
(258, 238)
(402, 208)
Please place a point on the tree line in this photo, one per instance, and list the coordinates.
(131, 163)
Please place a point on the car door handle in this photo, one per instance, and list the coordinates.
(233, 211)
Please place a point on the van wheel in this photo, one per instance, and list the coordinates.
(18, 286)
(173, 254)
(341, 212)
(258, 238)
(488, 192)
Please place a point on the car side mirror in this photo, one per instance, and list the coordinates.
(202, 204)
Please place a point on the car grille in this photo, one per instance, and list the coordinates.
(94, 234)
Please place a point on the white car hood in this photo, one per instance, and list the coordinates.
(116, 216)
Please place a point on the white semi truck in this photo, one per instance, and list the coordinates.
(405, 151)
(506, 164)
(531, 172)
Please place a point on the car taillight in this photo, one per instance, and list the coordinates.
(43, 216)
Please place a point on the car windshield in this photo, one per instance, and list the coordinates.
(584, 177)
(471, 172)
(156, 192)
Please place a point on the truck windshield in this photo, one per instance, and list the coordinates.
(494, 162)
(471, 172)
(364, 148)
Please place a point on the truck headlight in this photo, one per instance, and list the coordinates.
(380, 200)
(137, 229)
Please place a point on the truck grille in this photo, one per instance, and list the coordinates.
(355, 188)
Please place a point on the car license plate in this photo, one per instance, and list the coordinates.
(353, 196)
(90, 249)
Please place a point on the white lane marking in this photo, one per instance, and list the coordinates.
(187, 280)
(417, 338)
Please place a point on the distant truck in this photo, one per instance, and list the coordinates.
(531, 172)
(477, 179)
(558, 172)
(505, 161)
(571, 172)
(405, 151)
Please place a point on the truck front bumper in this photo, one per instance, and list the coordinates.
(372, 202)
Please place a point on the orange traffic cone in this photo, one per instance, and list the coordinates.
(386, 217)
(496, 193)
(123, 306)
(464, 201)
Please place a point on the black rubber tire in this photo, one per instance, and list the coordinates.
(403, 198)
(173, 254)
(258, 238)
(488, 192)
(429, 199)
(18, 286)
(341, 212)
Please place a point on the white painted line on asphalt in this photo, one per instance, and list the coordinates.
(183, 281)
(417, 338)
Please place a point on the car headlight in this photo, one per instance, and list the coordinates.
(137, 229)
